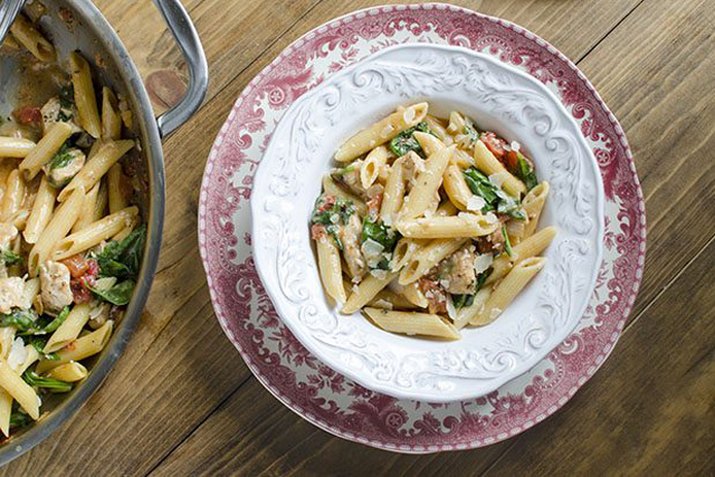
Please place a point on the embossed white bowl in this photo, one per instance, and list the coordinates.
(499, 98)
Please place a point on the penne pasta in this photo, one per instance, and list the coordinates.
(15, 147)
(97, 166)
(87, 214)
(94, 234)
(430, 144)
(456, 187)
(41, 212)
(533, 205)
(389, 300)
(84, 95)
(410, 323)
(427, 184)
(79, 349)
(394, 192)
(331, 269)
(60, 224)
(373, 164)
(69, 330)
(437, 128)
(365, 292)
(530, 247)
(115, 179)
(463, 225)
(414, 295)
(13, 196)
(25, 33)
(505, 291)
(111, 120)
(427, 257)
(20, 391)
(381, 132)
(46, 149)
(487, 163)
(69, 372)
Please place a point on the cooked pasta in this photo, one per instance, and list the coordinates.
(71, 233)
(431, 222)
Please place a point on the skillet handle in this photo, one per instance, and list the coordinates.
(182, 28)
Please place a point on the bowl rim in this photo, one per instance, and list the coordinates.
(107, 38)
(394, 391)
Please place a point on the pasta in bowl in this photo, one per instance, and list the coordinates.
(433, 264)
(428, 217)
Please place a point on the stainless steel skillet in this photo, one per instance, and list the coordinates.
(78, 25)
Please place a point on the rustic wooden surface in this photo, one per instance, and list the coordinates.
(181, 401)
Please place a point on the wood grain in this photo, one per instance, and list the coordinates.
(181, 401)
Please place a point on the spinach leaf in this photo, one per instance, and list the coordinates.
(119, 294)
(62, 158)
(471, 131)
(39, 342)
(8, 257)
(37, 381)
(406, 142)
(482, 278)
(331, 215)
(54, 324)
(66, 96)
(507, 242)
(495, 198)
(18, 418)
(525, 172)
(122, 259)
(380, 233)
(22, 320)
(460, 301)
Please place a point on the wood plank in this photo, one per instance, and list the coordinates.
(651, 71)
(649, 411)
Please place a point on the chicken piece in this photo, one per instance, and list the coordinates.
(350, 238)
(55, 285)
(65, 165)
(11, 294)
(456, 273)
(435, 294)
(8, 233)
(53, 112)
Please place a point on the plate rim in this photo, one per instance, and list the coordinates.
(303, 335)
(629, 297)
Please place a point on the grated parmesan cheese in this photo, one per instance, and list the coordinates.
(17, 354)
(515, 146)
(482, 263)
(476, 203)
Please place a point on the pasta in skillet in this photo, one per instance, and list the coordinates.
(428, 225)
(71, 240)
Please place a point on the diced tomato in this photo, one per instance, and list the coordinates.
(511, 161)
(327, 202)
(80, 292)
(77, 265)
(494, 144)
(373, 205)
(28, 115)
(317, 231)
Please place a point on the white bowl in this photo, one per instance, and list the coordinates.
(499, 98)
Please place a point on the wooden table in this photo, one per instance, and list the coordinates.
(181, 401)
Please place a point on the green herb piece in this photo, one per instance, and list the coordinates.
(39, 342)
(525, 172)
(119, 294)
(8, 257)
(22, 320)
(66, 96)
(377, 231)
(37, 381)
(19, 419)
(54, 324)
(122, 259)
(482, 278)
(406, 142)
(62, 158)
(333, 216)
(471, 131)
(460, 301)
(495, 198)
(507, 242)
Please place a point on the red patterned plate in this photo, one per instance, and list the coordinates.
(309, 387)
